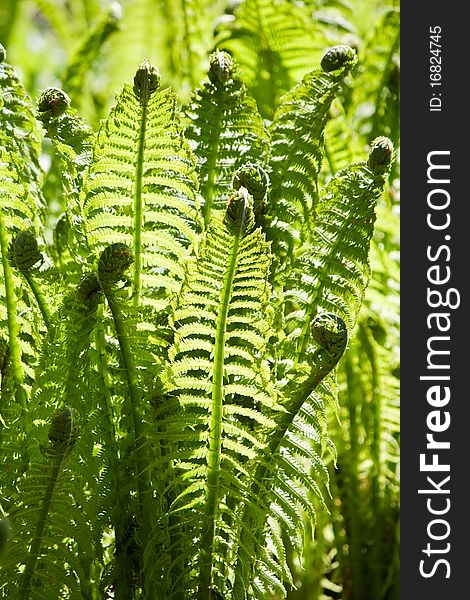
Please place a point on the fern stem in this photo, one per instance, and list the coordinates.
(40, 298)
(138, 203)
(143, 462)
(13, 328)
(215, 438)
(123, 585)
(33, 556)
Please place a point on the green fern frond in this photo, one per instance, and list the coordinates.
(297, 135)
(16, 307)
(72, 143)
(328, 278)
(226, 132)
(50, 551)
(141, 188)
(220, 380)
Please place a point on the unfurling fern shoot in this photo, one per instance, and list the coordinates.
(63, 434)
(113, 263)
(25, 255)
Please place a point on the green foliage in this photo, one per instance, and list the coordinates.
(173, 317)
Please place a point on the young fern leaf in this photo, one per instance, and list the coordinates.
(226, 131)
(72, 144)
(281, 474)
(141, 188)
(297, 150)
(113, 263)
(223, 394)
(46, 539)
(333, 266)
(24, 255)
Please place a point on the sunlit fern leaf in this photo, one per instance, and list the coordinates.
(51, 538)
(333, 268)
(226, 131)
(297, 134)
(275, 44)
(220, 380)
(141, 188)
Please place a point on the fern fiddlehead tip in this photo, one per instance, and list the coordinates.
(337, 57)
(24, 251)
(52, 103)
(239, 215)
(3, 53)
(255, 179)
(63, 431)
(220, 67)
(381, 155)
(89, 289)
(114, 262)
(146, 80)
(330, 332)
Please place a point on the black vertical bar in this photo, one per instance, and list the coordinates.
(435, 213)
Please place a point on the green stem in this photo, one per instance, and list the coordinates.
(40, 298)
(13, 328)
(124, 584)
(143, 462)
(215, 439)
(39, 531)
(138, 202)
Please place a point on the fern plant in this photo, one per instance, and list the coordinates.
(168, 355)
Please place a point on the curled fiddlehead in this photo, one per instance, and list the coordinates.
(220, 67)
(146, 81)
(3, 53)
(337, 57)
(89, 289)
(52, 103)
(239, 215)
(63, 432)
(330, 332)
(24, 251)
(114, 262)
(24, 254)
(255, 179)
(380, 155)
